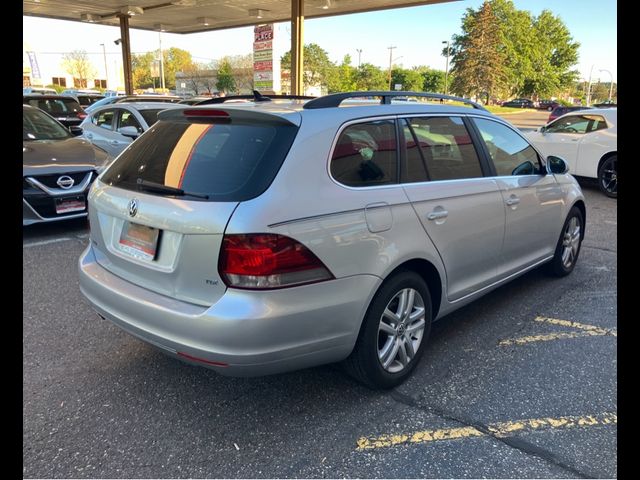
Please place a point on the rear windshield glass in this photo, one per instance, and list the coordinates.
(226, 162)
(56, 106)
(150, 116)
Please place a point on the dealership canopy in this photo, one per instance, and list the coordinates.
(191, 16)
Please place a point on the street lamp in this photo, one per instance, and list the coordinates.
(446, 72)
(611, 84)
(106, 72)
(359, 50)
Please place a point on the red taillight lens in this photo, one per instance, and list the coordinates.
(202, 112)
(263, 261)
(82, 115)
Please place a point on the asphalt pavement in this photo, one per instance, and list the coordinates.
(520, 384)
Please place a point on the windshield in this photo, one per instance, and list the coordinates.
(56, 106)
(37, 125)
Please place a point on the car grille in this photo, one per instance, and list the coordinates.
(45, 206)
(50, 180)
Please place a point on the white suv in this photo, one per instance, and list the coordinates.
(261, 237)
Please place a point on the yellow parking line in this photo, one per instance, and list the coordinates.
(585, 330)
(501, 429)
(581, 326)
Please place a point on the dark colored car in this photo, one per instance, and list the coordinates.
(548, 105)
(605, 104)
(57, 169)
(559, 111)
(86, 99)
(63, 108)
(519, 103)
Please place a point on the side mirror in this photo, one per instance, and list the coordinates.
(542, 129)
(129, 131)
(75, 131)
(557, 165)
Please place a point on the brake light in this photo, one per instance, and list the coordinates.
(266, 261)
(205, 112)
(82, 115)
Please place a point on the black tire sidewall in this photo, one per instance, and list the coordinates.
(367, 346)
(557, 267)
(612, 158)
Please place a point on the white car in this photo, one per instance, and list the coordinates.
(588, 141)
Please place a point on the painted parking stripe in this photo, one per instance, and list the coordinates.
(46, 242)
(583, 330)
(500, 430)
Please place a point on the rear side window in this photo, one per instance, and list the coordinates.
(439, 148)
(226, 161)
(511, 154)
(365, 155)
(150, 116)
(104, 119)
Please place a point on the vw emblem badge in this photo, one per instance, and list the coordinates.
(133, 207)
(65, 181)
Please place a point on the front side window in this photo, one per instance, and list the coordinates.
(365, 155)
(439, 148)
(570, 124)
(104, 119)
(510, 153)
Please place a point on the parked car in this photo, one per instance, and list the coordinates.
(38, 91)
(548, 105)
(559, 111)
(65, 109)
(588, 141)
(519, 103)
(114, 127)
(57, 168)
(263, 237)
(605, 104)
(87, 99)
(132, 99)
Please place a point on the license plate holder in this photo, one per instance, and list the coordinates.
(76, 203)
(139, 241)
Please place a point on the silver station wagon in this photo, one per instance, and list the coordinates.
(267, 236)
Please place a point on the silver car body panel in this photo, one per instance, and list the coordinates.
(362, 235)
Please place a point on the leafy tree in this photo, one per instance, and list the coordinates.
(342, 77)
(226, 82)
(242, 68)
(478, 59)
(410, 80)
(370, 77)
(433, 80)
(141, 68)
(175, 60)
(200, 77)
(77, 64)
(317, 66)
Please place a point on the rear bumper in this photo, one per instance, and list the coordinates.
(252, 332)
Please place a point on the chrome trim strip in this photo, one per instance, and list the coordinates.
(51, 219)
(58, 192)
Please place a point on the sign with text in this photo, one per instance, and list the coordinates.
(265, 67)
(35, 69)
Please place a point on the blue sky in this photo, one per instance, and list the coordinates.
(416, 32)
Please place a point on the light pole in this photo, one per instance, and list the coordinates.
(359, 50)
(589, 87)
(611, 84)
(161, 61)
(446, 71)
(390, 62)
(106, 72)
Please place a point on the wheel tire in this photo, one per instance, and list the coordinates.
(608, 177)
(568, 246)
(364, 363)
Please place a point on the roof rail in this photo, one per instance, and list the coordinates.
(256, 97)
(335, 99)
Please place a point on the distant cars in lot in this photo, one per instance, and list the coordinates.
(548, 105)
(63, 108)
(519, 103)
(588, 141)
(57, 169)
(132, 99)
(38, 91)
(114, 127)
(561, 110)
(605, 104)
(261, 237)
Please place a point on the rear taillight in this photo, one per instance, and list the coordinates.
(82, 115)
(265, 261)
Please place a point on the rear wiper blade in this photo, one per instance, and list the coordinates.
(158, 187)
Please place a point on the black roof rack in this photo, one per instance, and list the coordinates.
(256, 97)
(335, 99)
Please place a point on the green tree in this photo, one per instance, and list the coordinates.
(478, 59)
(411, 80)
(370, 77)
(141, 69)
(175, 60)
(78, 65)
(341, 78)
(317, 66)
(226, 82)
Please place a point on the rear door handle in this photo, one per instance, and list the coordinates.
(437, 214)
(513, 201)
